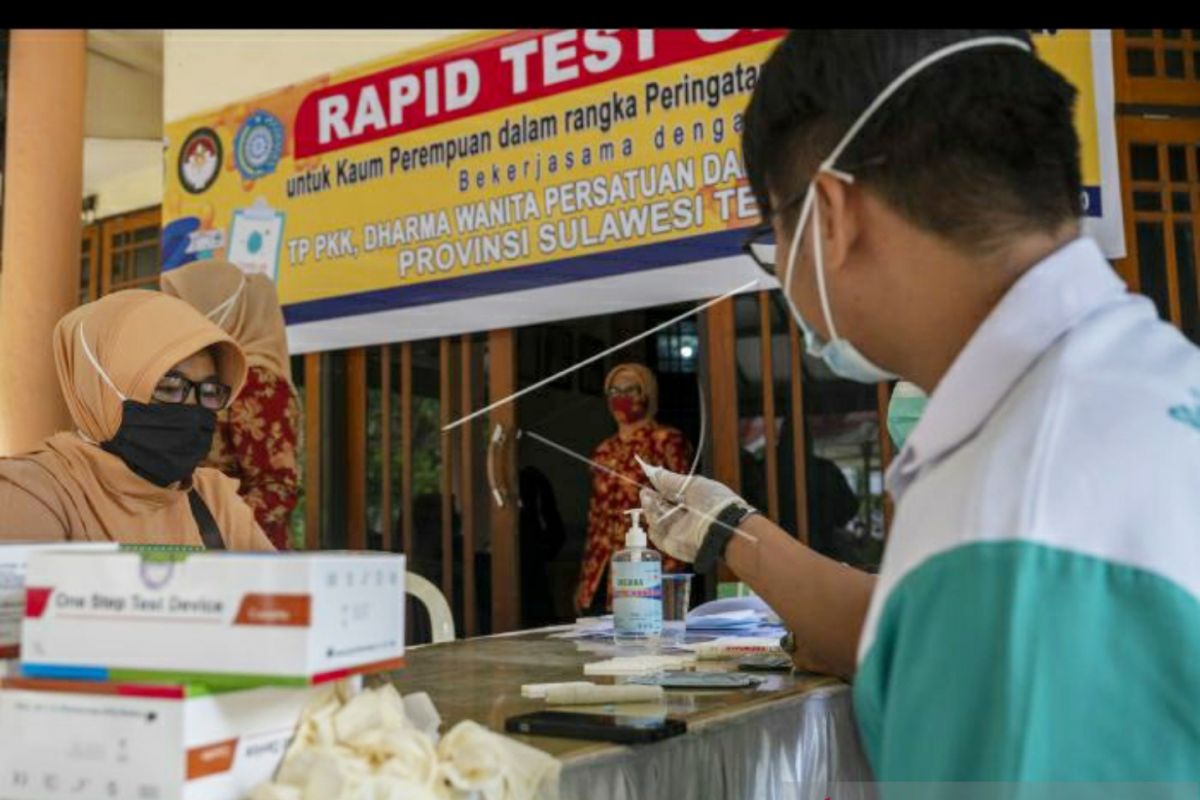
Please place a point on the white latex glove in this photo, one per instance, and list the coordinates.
(475, 759)
(276, 791)
(676, 530)
(423, 714)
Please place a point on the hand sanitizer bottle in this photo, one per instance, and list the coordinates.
(637, 590)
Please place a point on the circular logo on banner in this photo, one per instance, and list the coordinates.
(199, 160)
(258, 145)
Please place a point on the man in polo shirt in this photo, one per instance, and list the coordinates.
(1037, 615)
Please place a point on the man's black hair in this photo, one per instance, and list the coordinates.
(975, 148)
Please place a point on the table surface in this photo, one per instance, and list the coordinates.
(480, 679)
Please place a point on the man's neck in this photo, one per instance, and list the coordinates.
(964, 292)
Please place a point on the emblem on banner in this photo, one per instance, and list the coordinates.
(255, 238)
(199, 160)
(204, 242)
(258, 145)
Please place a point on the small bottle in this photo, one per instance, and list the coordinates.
(637, 590)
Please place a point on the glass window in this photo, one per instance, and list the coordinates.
(85, 271)
(118, 268)
(1147, 201)
(1177, 163)
(678, 347)
(1173, 63)
(1140, 62)
(1152, 265)
(1185, 263)
(1143, 162)
(145, 263)
(845, 471)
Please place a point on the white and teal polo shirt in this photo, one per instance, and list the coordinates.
(1037, 614)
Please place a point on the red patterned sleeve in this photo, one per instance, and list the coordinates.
(263, 423)
(597, 548)
(674, 450)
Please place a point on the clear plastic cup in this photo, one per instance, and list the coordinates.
(676, 592)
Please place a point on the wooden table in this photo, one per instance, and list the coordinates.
(480, 679)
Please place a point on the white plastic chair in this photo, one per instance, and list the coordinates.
(440, 618)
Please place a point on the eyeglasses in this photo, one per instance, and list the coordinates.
(625, 391)
(175, 389)
(760, 243)
(760, 246)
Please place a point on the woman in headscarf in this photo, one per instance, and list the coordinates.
(632, 393)
(257, 434)
(143, 376)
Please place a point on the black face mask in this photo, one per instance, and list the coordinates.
(163, 443)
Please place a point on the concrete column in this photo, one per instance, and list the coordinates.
(43, 186)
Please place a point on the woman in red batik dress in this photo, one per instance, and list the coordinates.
(256, 437)
(632, 393)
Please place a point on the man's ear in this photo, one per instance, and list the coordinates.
(838, 218)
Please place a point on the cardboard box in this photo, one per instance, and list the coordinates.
(14, 560)
(109, 741)
(226, 620)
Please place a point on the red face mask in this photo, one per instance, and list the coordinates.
(627, 409)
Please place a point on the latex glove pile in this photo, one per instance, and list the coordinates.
(370, 747)
(476, 762)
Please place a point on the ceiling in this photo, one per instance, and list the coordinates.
(139, 49)
(123, 118)
(124, 85)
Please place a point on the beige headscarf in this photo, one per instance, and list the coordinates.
(645, 379)
(72, 489)
(244, 306)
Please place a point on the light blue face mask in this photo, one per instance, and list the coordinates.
(904, 411)
(840, 354)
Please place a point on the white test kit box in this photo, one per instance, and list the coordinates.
(14, 560)
(222, 619)
(67, 739)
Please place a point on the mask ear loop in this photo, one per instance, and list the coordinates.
(827, 166)
(87, 351)
(819, 258)
(227, 306)
(793, 250)
(902, 78)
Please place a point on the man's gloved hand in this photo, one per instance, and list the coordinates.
(680, 510)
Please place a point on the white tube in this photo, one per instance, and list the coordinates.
(537, 691)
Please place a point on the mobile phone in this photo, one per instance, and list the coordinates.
(683, 679)
(619, 728)
(766, 662)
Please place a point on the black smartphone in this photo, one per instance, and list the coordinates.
(765, 662)
(596, 727)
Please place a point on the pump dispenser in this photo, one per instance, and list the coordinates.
(637, 590)
(636, 535)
